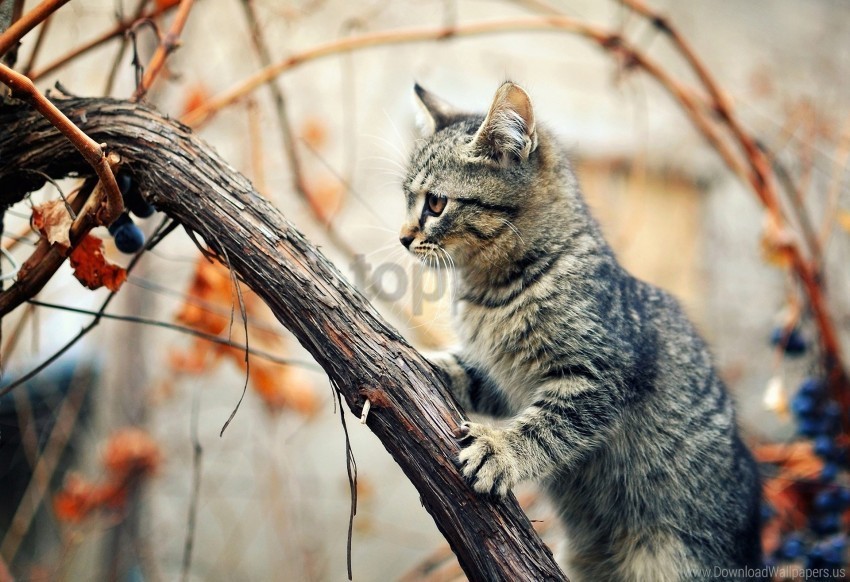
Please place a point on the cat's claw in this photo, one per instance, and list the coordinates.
(487, 460)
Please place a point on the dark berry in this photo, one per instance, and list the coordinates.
(118, 223)
(826, 524)
(124, 183)
(793, 547)
(825, 447)
(829, 472)
(842, 496)
(803, 405)
(833, 551)
(812, 387)
(814, 559)
(129, 238)
(826, 500)
(792, 342)
(832, 415)
(136, 204)
(810, 427)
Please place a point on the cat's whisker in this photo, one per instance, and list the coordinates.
(391, 147)
(514, 229)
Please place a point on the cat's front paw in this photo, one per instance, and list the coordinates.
(487, 460)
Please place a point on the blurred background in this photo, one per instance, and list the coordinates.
(112, 454)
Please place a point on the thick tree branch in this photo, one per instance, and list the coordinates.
(411, 411)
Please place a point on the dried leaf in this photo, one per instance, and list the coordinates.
(325, 198)
(776, 242)
(843, 219)
(211, 288)
(131, 451)
(91, 267)
(208, 307)
(76, 499)
(130, 455)
(314, 132)
(283, 387)
(165, 4)
(797, 460)
(53, 220)
(196, 95)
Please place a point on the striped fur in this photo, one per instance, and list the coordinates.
(614, 402)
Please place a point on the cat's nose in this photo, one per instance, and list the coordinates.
(406, 240)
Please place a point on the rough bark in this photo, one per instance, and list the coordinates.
(412, 412)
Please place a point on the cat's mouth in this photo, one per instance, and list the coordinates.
(433, 255)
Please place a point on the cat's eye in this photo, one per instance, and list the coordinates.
(436, 204)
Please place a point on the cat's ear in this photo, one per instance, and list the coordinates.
(435, 113)
(508, 134)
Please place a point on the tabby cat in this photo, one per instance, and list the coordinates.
(614, 402)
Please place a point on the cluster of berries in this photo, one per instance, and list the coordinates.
(824, 546)
(129, 238)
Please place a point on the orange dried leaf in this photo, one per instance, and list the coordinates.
(91, 267)
(796, 460)
(198, 359)
(165, 4)
(325, 198)
(76, 499)
(131, 451)
(208, 308)
(211, 287)
(314, 132)
(283, 387)
(196, 95)
(843, 219)
(775, 253)
(53, 220)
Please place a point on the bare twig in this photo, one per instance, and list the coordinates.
(169, 44)
(91, 151)
(116, 63)
(44, 468)
(762, 180)
(243, 312)
(43, 263)
(398, 36)
(116, 31)
(27, 22)
(39, 42)
(161, 232)
(212, 338)
(290, 148)
(197, 472)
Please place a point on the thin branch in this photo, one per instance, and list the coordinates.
(116, 31)
(243, 312)
(44, 469)
(384, 38)
(43, 263)
(39, 42)
(119, 55)
(27, 22)
(762, 180)
(169, 44)
(191, 520)
(91, 151)
(165, 227)
(351, 471)
(212, 338)
(290, 148)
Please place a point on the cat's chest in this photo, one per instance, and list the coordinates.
(511, 343)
